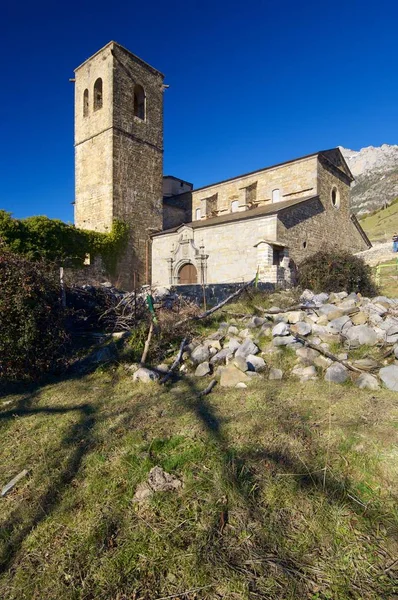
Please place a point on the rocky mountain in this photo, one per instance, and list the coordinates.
(376, 177)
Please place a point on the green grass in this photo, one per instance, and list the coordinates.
(306, 476)
(388, 278)
(381, 226)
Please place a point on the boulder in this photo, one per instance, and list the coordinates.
(334, 314)
(336, 325)
(307, 355)
(257, 322)
(305, 373)
(368, 364)
(281, 329)
(327, 309)
(361, 334)
(241, 385)
(396, 352)
(320, 298)
(283, 340)
(248, 347)
(202, 369)
(145, 375)
(323, 362)
(275, 374)
(200, 354)
(240, 363)
(302, 328)
(389, 376)
(256, 363)
(336, 373)
(221, 356)
(359, 318)
(231, 375)
(232, 330)
(233, 344)
(295, 316)
(245, 333)
(367, 382)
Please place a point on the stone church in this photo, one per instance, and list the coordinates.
(266, 221)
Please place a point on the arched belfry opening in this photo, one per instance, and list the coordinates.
(187, 274)
(98, 94)
(139, 102)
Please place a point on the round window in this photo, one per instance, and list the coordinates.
(335, 197)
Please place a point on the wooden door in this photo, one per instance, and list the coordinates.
(187, 274)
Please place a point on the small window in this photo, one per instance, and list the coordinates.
(198, 214)
(335, 197)
(85, 103)
(139, 102)
(98, 94)
(235, 206)
(304, 244)
(275, 195)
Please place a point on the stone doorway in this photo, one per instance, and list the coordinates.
(187, 275)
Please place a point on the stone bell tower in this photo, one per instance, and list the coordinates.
(119, 153)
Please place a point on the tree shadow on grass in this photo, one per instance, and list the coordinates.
(239, 474)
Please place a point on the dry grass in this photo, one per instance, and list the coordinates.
(289, 491)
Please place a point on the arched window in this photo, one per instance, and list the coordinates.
(139, 102)
(98, 94)
(198, 214)
(85, 103)
(235, 206)
(275, 195)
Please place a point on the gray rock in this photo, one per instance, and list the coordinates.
(367, 364)
(320, 298)
(240, 363)
(336, 325)
(307, 355)
(389, 376)
(256, 363)
(257, 321)
(302, 328)
(202, 369)
(367, 382)
(305, 373)
(245, 333)
(200, 354)
(232, 330)
(275, 374)
(241, 385)
(396, 352)
(322, 362)
(295, 316)
(336, 373)
(248, 347)
(233, 344)
(361, 334)
(145, 375)
(281, 329)
(342, 356)
(283, 340)
(327, 309)
(221, 357)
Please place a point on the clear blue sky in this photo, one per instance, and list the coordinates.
(251, 84)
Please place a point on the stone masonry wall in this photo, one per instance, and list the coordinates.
(137, 163)
(294, 180)
(231, 248)
(317, 224)
(93, 145)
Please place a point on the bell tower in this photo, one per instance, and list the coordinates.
(119, 153)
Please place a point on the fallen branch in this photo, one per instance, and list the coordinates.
(175, 363)
(347, 364)
(209, 312)
(147, 343)
(208, 389)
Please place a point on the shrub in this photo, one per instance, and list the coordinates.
(336, 271)
(32, 327)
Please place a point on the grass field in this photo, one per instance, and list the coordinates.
(289, 491)
(381, 226)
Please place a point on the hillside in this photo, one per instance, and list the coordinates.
(376, 176)
(288, 489)
(381, 225)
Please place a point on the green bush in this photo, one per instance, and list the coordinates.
(50, 239)
(336, 271)
(32, 320)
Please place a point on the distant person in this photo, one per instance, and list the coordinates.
(395, 242)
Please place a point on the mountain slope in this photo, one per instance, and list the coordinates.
(376, 177)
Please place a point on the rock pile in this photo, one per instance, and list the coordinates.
(243, 350)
